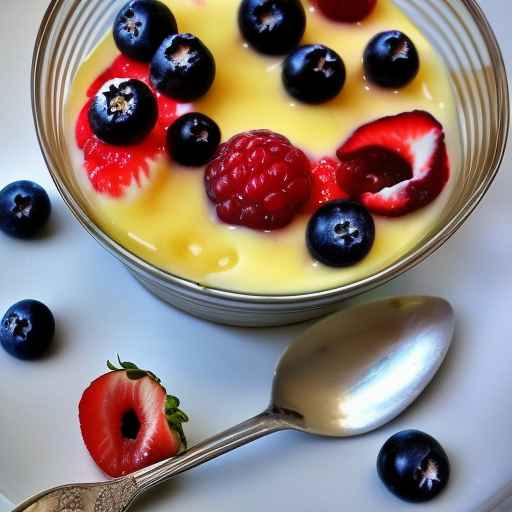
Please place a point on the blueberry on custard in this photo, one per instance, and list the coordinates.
(272, 27)
(183, 68)
(341, 233)
(314, 74)
(141, 26)
(391, 60)
(123, 112)
(193, 139)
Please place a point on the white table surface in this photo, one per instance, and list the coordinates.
(223, 374)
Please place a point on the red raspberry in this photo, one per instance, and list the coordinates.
(258, 179)
(325, 187)
(349, 11)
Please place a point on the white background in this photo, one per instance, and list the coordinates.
(223, 374)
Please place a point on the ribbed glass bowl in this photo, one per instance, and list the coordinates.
(462, 36)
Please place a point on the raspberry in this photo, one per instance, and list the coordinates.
(258, 179)
(324, 184)
(349, 11)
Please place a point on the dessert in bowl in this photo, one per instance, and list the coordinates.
(252, 257)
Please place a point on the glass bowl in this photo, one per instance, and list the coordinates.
(457, 28)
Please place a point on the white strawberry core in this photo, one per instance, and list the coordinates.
(422, 150)
(151, 406)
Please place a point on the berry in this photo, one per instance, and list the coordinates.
(258, 179)
(24, 209)
(395, 165)
(193, 139)
(272, 27)
(372, 169)
(314, 74)
(123, 112)
(129, 422)
(391, 60)
(413, 466)
(141, 26)
(340, 234)
(27, 329)
(114, 170)
(183, 68)
(349, 11)
(325, 187)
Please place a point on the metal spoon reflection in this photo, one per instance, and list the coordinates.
(349, 374)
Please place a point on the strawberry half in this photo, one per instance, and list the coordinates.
(324, 187)
(395, 165)
(129, 422)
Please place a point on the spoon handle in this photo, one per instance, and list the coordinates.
(246, 432)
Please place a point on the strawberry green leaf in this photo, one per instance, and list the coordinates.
(136, 374)
(127, 365)
(172, 403)
(175, 417)
(110, 366)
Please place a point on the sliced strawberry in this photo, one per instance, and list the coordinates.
(113, 169)
(371, 169)
(324, 185)
(129, 422)
(397, 164)
(349, 11)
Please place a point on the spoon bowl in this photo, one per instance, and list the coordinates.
(347, 375)
(360, 368)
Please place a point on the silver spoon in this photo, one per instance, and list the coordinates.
(349, 374)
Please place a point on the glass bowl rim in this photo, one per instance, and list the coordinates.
(367, 283)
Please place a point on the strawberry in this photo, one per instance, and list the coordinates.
(128, 421)
(112, 170)
(395, 165)
(349, 11)
(324, 187)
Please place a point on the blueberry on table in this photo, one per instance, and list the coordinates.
(272, 27)
(413, 466)
(141, 26)
(123, 112)
(183, 68)
(24, 209)
(193, 139)
(341, 233)
(391, 60)
(27, 330)
(314, 74)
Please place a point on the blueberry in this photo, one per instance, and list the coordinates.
(141, 26)
(183, 68)
(27, 329)
(272, 27)
(24, 209)
(413, 466)
(314, 74)
(123, 112)
(193, 139)
(391, 60)
(340, 233)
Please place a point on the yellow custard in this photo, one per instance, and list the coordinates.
(169, 221)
